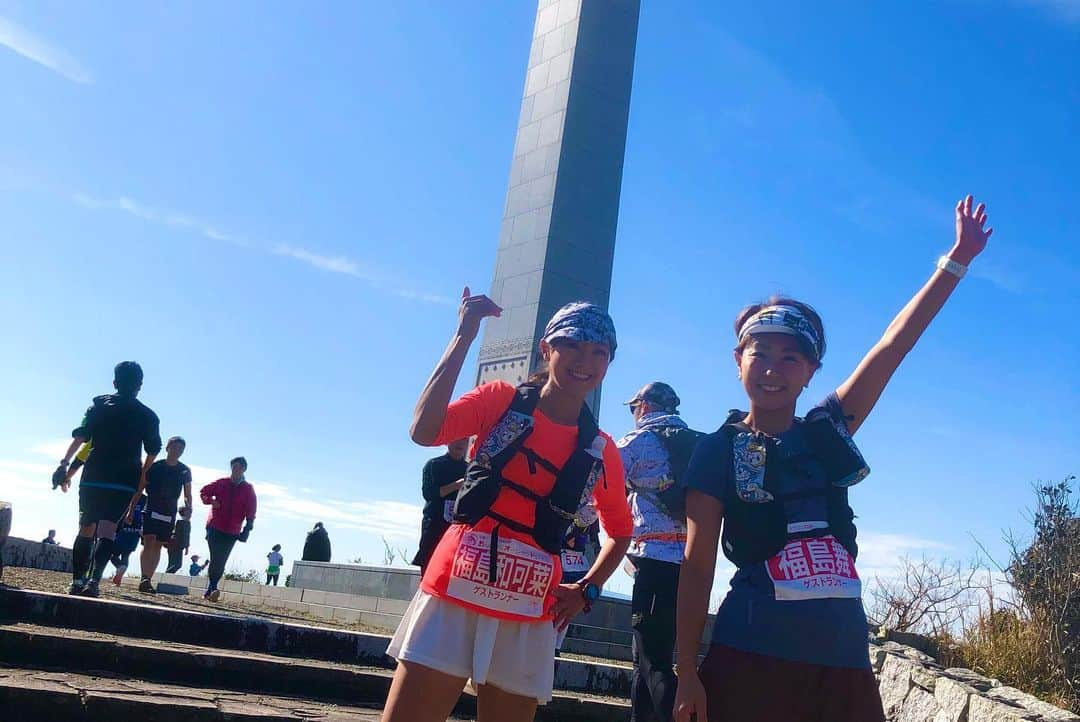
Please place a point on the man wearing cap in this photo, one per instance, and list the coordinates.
(655, 455)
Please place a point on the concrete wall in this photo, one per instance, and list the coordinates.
(603, 632)
(35, 555)
(368, 581)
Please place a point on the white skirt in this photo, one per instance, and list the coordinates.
(516, 657)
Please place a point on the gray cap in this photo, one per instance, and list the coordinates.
(660, 394)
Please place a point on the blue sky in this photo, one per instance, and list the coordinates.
(271, 208)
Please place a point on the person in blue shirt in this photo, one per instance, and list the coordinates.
(196, 569)
(790, 639)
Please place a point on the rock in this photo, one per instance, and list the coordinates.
(1045, 710)
(952, 698)
(971, 679)
(920, 706)
(925, 678)
(895, 683)
(877, 658)
(984, 709)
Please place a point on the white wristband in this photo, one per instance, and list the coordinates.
(950, 266)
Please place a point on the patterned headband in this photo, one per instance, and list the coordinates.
(580, 321)
(783, 319)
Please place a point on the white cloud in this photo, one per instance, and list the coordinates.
(34, 48)
(376, 278)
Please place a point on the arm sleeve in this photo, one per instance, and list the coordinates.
(610, 495)
(475, 412)
(429, 486)
(709, 470)
(152, 433)
(84, 452)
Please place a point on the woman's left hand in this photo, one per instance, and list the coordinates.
(569, 601)
(971, 237)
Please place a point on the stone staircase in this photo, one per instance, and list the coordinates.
(222, 655)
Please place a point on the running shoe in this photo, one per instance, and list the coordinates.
(91, 590)
(215, 595)
(117, 578)
(146, 586)
(77, 586)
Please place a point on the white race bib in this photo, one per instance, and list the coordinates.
(448, 511)
(818, 568)
(574, 561)
(524, 575)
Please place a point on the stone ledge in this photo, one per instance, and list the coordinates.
(915, 688)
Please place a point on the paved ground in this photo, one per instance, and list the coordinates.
(46, 581)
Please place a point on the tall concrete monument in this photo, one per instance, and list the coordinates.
(557, 239)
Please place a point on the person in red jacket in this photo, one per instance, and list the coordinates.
(232, 506)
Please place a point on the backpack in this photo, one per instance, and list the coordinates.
(679, 442)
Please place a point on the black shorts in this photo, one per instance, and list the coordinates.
(96, 504)
(160, 525)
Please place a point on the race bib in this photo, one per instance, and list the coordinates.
(574, 562)
(818, 568)
(524, 575)
(448, 511)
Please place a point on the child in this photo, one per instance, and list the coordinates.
(489, 601)
(181, 540)
(274, 560)
(789, 641)
(127, 538)
(196, 569)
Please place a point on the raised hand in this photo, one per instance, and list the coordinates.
(473, 310)
(971, 233)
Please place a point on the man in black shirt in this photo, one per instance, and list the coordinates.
(442, 477)
(120, 427)
(164, 482)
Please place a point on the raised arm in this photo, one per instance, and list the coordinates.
(863, 388)
(431, 406)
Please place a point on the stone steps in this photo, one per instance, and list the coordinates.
(379, 613)
(249, 634)
(214, 673)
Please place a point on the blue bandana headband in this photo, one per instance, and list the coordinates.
(783, 319)
(581, 321)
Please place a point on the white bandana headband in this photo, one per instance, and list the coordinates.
(783, 319)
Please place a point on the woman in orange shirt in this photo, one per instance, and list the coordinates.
(489, 603)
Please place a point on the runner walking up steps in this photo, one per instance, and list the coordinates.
(489, 601)
(117, 425)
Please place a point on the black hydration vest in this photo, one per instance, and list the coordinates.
(755, 523)
(556, 512)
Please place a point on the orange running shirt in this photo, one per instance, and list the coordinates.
(457, 571)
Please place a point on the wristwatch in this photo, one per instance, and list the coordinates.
(950, 266)
(590, 592)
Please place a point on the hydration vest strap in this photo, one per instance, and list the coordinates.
(527, 493)
(535, 459)
(493, 557)
(508, 522)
